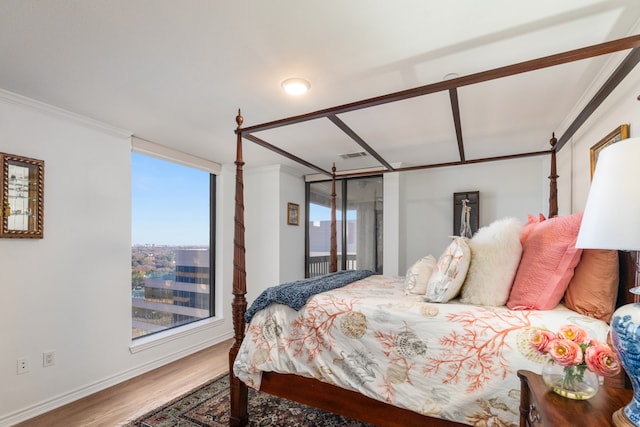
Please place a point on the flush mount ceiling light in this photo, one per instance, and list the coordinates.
(295, 86)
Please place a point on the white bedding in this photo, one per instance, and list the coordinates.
(451, 361)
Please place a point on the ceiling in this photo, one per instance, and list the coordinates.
(175, 72)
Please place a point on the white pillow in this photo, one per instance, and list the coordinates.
(495, 256)
(418, 275)
(450, 271)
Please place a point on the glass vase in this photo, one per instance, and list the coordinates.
(574, 382)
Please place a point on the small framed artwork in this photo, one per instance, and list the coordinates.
(466, 207)
(293, 214)
(22, 197)
(618, 134)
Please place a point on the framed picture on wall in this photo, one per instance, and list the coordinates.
(618, 134)
(293, 214)
(21, 197)
(470, 200)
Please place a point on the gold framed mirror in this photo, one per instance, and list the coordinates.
(22, 197)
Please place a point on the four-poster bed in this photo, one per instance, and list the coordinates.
(323, 394)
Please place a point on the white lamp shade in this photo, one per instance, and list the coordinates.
(612, 214)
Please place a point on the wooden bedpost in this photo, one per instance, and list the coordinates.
(333, 251)
(553, 177)
(239, 392)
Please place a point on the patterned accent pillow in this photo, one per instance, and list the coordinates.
(450, 272)
(418, 275)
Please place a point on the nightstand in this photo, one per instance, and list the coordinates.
(541, 407)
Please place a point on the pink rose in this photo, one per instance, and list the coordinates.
(573, 333)
(541, 339)
(602, 360)
(565, 352)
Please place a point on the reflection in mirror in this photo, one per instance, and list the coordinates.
(22, 193)
(20, 204)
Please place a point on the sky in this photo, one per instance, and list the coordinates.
(170, 203)
(319, 213)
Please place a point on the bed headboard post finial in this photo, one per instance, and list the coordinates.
(239, 391)
(553, 179)
(333, 250)
(239, 119)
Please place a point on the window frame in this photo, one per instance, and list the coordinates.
(150, 149)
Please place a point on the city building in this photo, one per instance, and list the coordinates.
(175, 299)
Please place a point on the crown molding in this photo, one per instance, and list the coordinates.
(23, 101)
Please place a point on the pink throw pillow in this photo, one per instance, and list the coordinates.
(549, 257)
(532, 221)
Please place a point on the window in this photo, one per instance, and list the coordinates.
(359, 238)
(171, 239)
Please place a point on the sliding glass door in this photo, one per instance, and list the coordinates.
(359, 236)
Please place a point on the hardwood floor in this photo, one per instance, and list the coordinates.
(125, 401)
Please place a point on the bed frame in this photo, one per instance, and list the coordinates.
(345, 402)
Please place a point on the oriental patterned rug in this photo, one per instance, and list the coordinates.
(208, 406)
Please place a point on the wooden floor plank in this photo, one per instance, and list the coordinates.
(134, 397)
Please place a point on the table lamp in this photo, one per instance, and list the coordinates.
(611, 220)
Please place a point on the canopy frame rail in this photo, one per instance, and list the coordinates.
(625, 67)
(451, 85)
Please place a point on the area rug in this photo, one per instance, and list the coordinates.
(208, 406)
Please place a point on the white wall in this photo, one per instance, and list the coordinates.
(508, 188)
(261, 187)
(393, 253)
(621, 107)
(292, 190)
(275, 250)
(70, 292)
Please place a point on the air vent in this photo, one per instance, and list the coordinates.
(353, 155)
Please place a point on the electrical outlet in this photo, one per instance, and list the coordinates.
(22, 366)
(48, 358)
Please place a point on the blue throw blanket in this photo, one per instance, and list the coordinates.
(295, 294)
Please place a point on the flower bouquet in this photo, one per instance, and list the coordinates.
(576, 361)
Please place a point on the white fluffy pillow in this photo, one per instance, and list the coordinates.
(495, 255)
(450, 271)
(418, 275)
